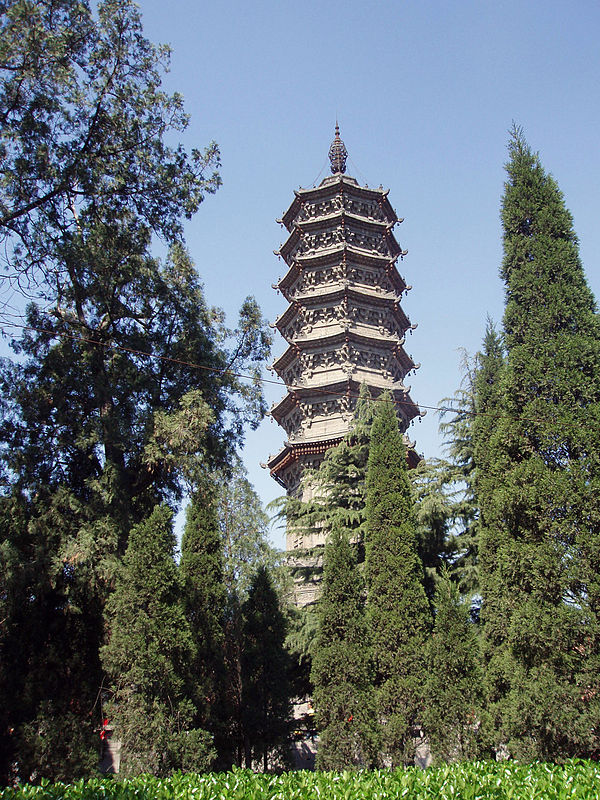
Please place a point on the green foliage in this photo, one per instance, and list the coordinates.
(337, 502)
(487, 404)
(265, 674)
(201, 570)
(244, 528)
(123, 393)
(84, 130)
(447, 499)
(539, 481)
(150, 648)
(397, 608)
(453, 691)
(576, 780)
(341, 671)
(115, 422)
(51, 622)
(241, 525)
(337, 488)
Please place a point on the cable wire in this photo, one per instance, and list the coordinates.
(289, 387)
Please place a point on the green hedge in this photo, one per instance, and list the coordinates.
(477, 781)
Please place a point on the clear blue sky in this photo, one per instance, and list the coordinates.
(425, 92)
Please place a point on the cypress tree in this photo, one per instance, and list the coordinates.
(50, 625)
(446, 505)
(148, 654)
(398, 610)
(454, 687)
(341, 671)
(337, 502)
(539, 480)
(265, 674)
(201, 569)
(487, 403)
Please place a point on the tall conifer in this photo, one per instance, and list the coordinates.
(539, 479)
(201, 569)
(341, 670)
(398, 611)
(148, 654)
(337, 487)
(453, 689)
(265, 672)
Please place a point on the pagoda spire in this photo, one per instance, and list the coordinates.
(337, 153)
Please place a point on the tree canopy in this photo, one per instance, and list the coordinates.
(539, 477)
(397, 609)
(84, 125)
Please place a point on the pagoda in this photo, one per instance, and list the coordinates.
(344, 325)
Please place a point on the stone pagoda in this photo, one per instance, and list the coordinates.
(344, 325)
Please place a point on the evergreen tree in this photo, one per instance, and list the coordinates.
(147, 656)
(337, 502)
(337, 487)
(539, 490)
(453, 691)
(397, 611)
(487, 403)
(244, 527)
(265, 674)
(90, 439)
(456, 427)
(201, 569)
(341, 670)
(50, 627)
(102, 417)
(447, 489)
(84, 132)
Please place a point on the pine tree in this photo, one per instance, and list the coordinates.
(86, 132)
(148, 654)
(244, 527)
(540, 479)
(398, 611)
(453, 691)
(456, 427)
(337, 487)
(447, 489)
(265, 674)
(341, 670)
(446, 506)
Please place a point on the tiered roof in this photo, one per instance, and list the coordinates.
(345, 324)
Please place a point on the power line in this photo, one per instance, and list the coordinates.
(243, 376)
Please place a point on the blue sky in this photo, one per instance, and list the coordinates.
(425, 92)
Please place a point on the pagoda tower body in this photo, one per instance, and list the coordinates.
(344, 324)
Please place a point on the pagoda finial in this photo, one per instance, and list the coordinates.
(338, 153)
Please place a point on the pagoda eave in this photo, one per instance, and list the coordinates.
(348, 387)
(332, 341)
(330, 187)
(287, 250)
(293, 452)
(333, 256)
(335, 295)
(341, 215)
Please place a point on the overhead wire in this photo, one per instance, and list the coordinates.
(289, 387)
